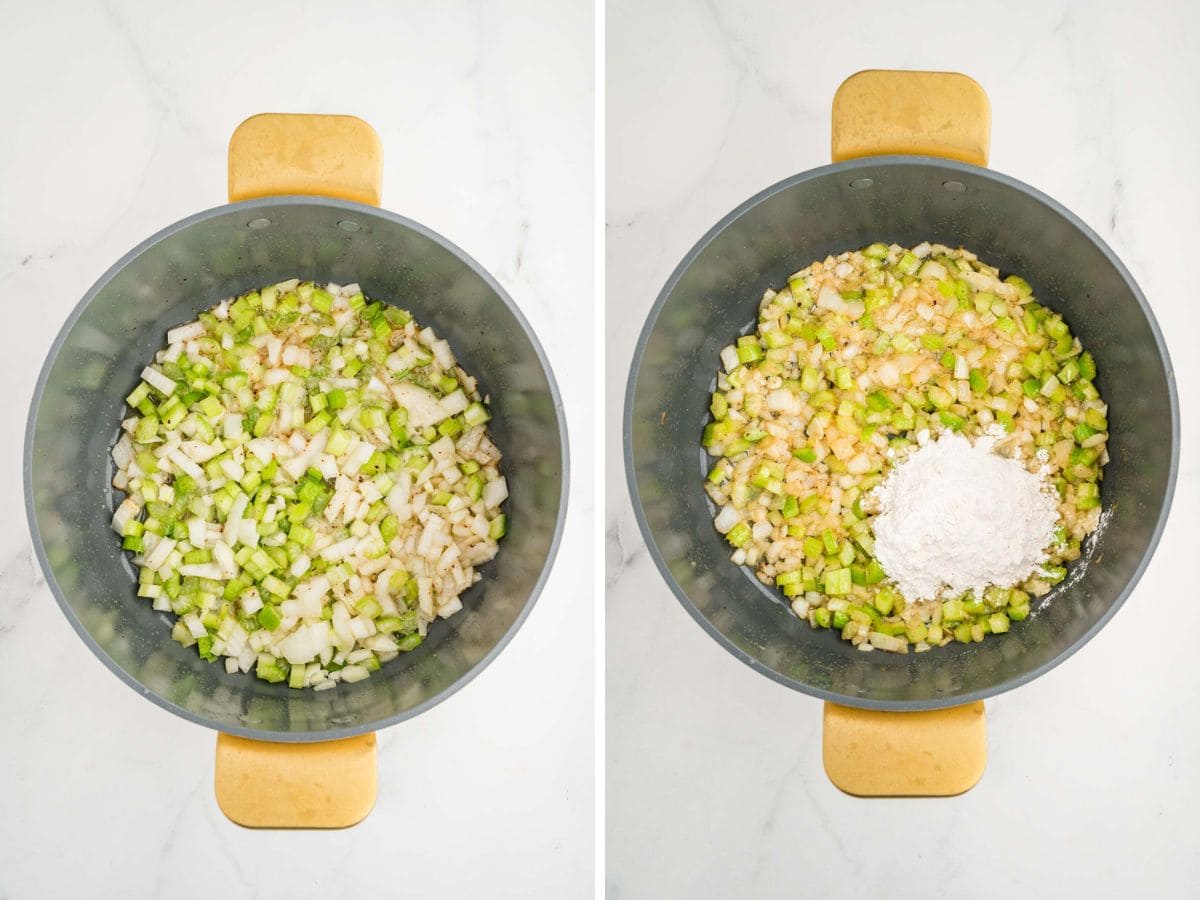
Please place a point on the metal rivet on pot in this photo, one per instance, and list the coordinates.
(955, 187)
(347, 225)
(859, 183)
(258, 223)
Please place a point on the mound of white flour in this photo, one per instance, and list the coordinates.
(957, 516)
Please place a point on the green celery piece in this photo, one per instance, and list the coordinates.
(271, 669)
(738, 535)
(409, 642)
(1087, 367)
(805, 454)
(830, 542)
(498, 527)
(838, 581)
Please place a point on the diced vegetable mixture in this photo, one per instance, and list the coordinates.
(308, 483)
(849, 362)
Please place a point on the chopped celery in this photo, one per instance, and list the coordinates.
(929, 341)
(475, 414)
(838, 581)
(498, 527)
(271, 668)
(241, 518)
(738, 534)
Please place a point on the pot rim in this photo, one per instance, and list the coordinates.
(848, 166)
(267, 203)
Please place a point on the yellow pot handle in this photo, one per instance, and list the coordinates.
(323, 784)
(937, 753)
(292, 153)
(879, 112)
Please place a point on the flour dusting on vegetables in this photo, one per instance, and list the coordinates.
(850, 362)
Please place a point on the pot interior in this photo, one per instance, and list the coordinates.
(713, 296)
(169, 280)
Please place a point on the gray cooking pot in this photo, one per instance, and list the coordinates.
(170, 278)
(713, 296)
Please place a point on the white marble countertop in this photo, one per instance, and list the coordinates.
(715, 785)
(119, 114)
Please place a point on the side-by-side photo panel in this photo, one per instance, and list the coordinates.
(892, 435)
(302, 416)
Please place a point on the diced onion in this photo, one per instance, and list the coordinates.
(495, 493)
(158, 380)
